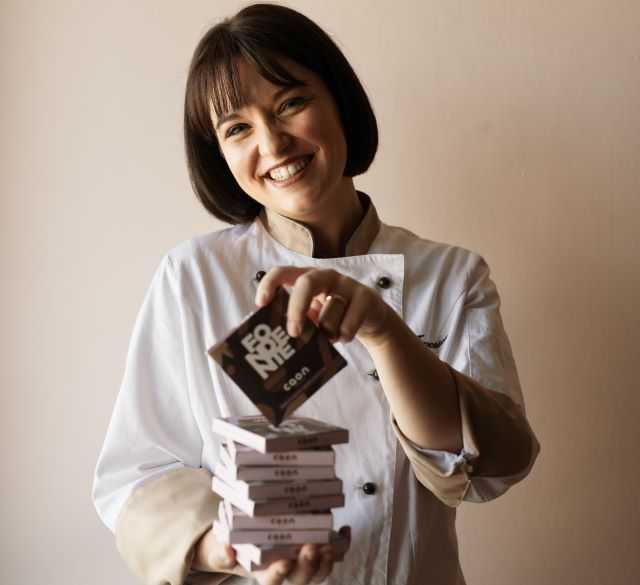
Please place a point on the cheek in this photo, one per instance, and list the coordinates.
(337, 146)
(328, 131)
(309, 131)
(327, 137)
(239, 165)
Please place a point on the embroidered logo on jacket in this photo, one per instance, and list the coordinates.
(429, 344)
(433, 344)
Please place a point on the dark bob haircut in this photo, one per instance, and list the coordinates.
(261, 34)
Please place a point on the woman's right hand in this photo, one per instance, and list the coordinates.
(313, 565)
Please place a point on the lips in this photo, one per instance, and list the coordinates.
(288, 161)
(299, 176)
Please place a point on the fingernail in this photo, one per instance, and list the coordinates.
(294, 328)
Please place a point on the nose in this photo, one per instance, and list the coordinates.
(272, 139)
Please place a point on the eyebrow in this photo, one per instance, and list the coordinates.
(233, 115)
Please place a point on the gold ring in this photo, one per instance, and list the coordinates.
(337, 298)
(331, 314)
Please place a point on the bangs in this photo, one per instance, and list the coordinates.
(216, 83)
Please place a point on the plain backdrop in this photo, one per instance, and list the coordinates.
(508, 127)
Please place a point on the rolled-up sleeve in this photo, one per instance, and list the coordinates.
(499, 446)
(160, 524)
(149, 487)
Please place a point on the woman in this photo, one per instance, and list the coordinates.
(276, 127)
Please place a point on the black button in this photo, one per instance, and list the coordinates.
(383, 282)
(260, 275)
(374, 374)
(369, 488)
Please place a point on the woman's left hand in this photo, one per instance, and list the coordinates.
(343, 307)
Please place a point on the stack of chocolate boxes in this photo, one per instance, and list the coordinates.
(278, 486)
(276, 472)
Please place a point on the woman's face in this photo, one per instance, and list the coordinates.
(285, 147)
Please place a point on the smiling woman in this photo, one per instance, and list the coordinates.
(300, 63)
(276, 126)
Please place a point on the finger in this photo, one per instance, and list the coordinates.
(332, 313)
(214, 556)
(225, 562)
(278, 276)
(326, 564)
(345, 531)
(224, 557)
(306, 566)
(357, 311)
(274, 574)
(306, 287)
(315, 310)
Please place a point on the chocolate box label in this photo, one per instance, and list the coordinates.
(277, 372)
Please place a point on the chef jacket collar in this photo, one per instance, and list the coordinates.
(299, 238)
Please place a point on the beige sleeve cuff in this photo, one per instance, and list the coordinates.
(497, 443)
(160, 524)
(450, 487)
(498, 427)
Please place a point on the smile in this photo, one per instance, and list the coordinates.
(287, 174)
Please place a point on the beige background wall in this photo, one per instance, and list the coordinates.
(511, 128)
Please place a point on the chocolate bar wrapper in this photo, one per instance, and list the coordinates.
(229, 536)
(251, 473)
(254, 557)
(291, 505)
(232, 453)
(295, 433)
(269, 490)
(235, 519)
(277, 372)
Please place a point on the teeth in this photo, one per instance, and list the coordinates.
(284, 172)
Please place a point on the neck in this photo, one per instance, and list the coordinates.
(332, 232)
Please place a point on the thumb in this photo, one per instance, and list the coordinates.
(213, 556)
(224, 557)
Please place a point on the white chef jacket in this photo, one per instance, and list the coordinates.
(152, 479)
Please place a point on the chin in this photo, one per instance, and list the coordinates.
(304, 204)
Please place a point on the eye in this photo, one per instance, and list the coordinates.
(293, 102)
(231, 131)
